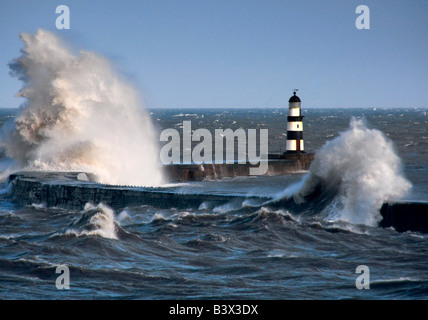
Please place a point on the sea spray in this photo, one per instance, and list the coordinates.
(359, 170)
(79, 115)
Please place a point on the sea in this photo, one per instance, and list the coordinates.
(332, 250)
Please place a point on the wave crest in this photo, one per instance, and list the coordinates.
(95, 221)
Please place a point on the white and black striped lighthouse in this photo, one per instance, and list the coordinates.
(295, 142)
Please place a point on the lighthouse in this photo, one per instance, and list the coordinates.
(294, 126)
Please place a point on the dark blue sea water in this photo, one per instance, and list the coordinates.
(259, 253)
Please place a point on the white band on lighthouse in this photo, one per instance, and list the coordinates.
(294, 112)
(292, 145)
(295, 126)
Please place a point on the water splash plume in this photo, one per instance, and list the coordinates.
(356, 172)
(81, 115)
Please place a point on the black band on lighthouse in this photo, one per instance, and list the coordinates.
(294, 118)
(294, 135)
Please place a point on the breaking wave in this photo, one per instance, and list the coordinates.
(95, 221)
(79, 115)
(352, 176)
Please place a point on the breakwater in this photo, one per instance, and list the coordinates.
(74, 189)
(405, 216)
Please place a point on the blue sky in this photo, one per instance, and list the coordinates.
(241, 53)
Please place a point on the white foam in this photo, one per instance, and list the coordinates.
(96, 221)
(124, 216)
(361, 165)
(227, 207)
(80, 115)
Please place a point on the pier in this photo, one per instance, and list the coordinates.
(74, 189)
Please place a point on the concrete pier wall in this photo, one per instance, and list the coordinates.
(64, 190)
(405, 216)
(56, 189)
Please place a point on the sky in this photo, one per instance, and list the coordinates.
(241, 53)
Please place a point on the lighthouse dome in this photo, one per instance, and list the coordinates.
(294, 98)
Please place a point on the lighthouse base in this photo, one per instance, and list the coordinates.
(277, 164)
